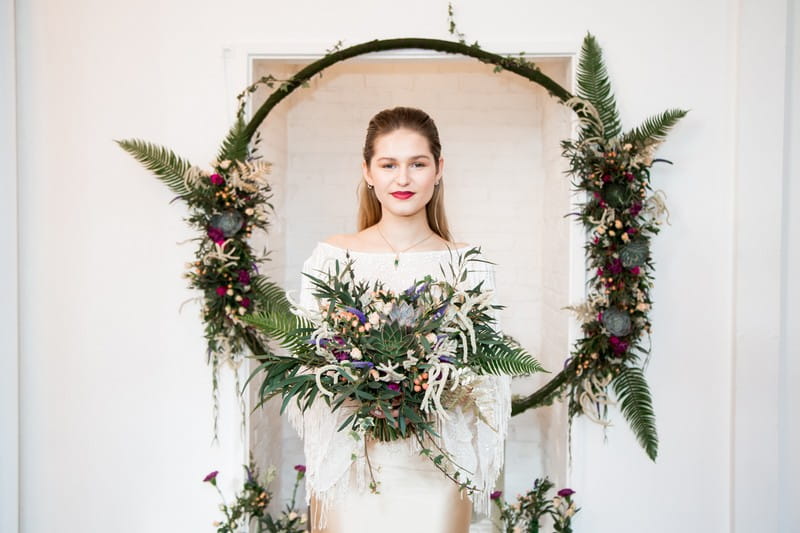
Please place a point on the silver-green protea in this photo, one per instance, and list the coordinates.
(617, 322)
(634, 253)
(228, 222)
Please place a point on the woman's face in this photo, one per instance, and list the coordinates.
(403, 172)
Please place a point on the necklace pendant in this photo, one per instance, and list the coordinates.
(396, 260)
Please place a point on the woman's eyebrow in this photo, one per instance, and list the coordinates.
(421, 156)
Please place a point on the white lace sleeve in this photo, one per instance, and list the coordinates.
(328, 452)
(490, 440)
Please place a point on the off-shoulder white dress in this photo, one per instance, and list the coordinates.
(413, 494)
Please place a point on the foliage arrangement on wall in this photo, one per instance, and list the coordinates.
(622, 214)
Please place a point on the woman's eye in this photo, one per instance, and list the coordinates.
(387, 165)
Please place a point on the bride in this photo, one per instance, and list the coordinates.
(403, 236)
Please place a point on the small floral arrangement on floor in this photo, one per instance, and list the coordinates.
(250, 508)
(399, 361)
(529, 510)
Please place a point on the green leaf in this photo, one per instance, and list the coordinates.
(234, 147)
(631, 389)
(509, 359)
(167, 166)
(593, 85)
(655, 128)
(291, 331)
(270, 296)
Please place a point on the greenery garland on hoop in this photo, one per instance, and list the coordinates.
(612, 167)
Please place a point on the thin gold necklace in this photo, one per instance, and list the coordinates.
(396, 253)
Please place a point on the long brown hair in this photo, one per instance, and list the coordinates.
(387, 121)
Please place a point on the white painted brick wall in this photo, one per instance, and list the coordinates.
(504, 190)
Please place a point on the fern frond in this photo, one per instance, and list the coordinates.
(234, 147)
(270, 296)
(593, 85)
(167, 166)
(511, 360)
(655, 128)
(633, 394)
(290, 331)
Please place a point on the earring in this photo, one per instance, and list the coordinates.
(370, 186)
(437, 183)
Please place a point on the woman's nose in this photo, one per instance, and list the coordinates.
(402, 174)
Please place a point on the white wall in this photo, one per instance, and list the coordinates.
(114, 402)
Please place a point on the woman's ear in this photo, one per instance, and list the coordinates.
(365, 172)
(441, 169)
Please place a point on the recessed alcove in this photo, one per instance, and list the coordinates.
(505, 189)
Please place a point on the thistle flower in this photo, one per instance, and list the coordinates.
(361, 317)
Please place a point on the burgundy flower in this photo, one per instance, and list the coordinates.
(635, 271)
(566, 492)
(222, 290)
(245, 303)
(216, 179)
(212, 477)
(393, 386)
(635, 208)
(496, 494)
(244, 276)
(615, 267)
(216, 235)
(629, 176)
(300, 468)
(620, 348)
(600, 271)
(606, 178)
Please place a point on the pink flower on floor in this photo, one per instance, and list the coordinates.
(496, 494)
(212, 477)
(566, 492)
(300, 468)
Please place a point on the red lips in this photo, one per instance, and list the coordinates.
(403, 194)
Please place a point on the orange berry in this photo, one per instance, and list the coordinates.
(417, 388)
(425, 386)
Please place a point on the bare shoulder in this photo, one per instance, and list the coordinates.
(350, 241)
(338, 239)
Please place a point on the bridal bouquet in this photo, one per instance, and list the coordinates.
(400, 360)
